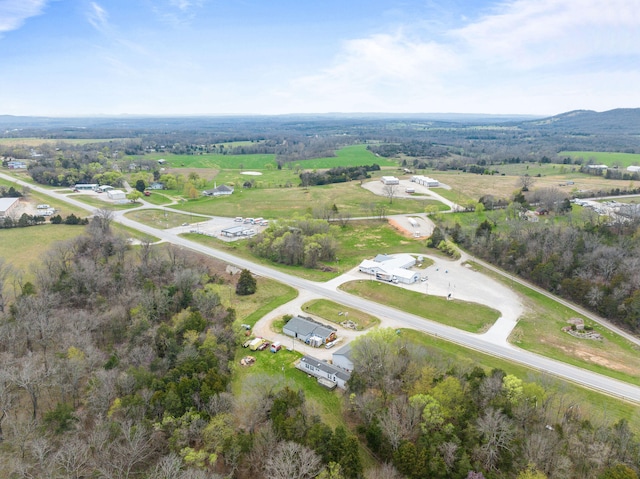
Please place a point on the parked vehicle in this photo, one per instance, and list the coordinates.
(275, 347)
(239, 219)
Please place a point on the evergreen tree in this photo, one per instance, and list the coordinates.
(246, 284)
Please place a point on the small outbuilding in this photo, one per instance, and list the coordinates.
(342, 358)
(116, 195)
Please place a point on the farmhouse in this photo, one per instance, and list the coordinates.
(7, 204)
(324, 372)
(391, 268)
(309, 331)
(390, 180)
(425, 181)
(342, 358)
(221, 190)
(156, 185)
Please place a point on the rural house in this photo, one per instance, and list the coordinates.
(342, 358)
(309, 331)
(328, 375)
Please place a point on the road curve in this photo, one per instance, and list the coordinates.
(575, 374)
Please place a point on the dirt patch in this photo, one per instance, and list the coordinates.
(400, 229)
(206, 173)
(594, 358)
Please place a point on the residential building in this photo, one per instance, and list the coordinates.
(309, 331)
(324, 371)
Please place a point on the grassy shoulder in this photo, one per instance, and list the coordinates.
(463, 315)
(338, 313)
(540, 331)
(158, 218)
(597, 406)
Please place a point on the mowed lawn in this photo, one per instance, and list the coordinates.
(471, 317)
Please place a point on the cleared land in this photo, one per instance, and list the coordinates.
(608, 158)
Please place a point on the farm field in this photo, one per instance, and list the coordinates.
(608, 158)
(349, 198)
(211, 160)
(31, 142)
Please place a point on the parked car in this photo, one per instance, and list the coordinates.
(275, 347)
(263, 346)
(239, 219)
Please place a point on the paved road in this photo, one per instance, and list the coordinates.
(327, 290)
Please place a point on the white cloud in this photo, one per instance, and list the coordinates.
(13, 13)
(98, 17)
(508, 60)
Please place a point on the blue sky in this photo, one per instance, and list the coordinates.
(209, 57)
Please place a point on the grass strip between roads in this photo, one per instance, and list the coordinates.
(471, 317)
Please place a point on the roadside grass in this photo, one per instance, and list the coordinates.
(608, 158)
(268, 296)
(103, 204)
(358, 240)
(597, 407)
(467, 316)
(133, 233)
(158, 199)
(337, 313)
(349, 198)
(540, 331)
(158, 218)
(458, 197)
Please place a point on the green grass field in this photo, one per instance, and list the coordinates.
(22, 247)
(335, 313)
(355, 155)
(608, 158)
(472, 317)
(234, 162)
(349, 198)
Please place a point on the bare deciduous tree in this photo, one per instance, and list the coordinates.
(291, 460)
(390, 191)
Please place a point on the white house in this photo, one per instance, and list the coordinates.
(324, 371)
(391, 268)
(342, 358)
(390, 180)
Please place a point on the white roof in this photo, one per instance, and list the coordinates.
(6, 203)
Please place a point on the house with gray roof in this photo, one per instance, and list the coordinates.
(309, 331)
(342, 358)
(324, 371)
(222, 190)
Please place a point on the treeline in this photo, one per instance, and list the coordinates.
(594, 265)
(340, 174)
(10, 192)
(24, 221)
(429, 417)
(305, 241)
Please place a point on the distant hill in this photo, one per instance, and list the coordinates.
(624, 121)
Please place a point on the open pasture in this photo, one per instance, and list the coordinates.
(211, 160)
(355, 155)
(609, 158)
